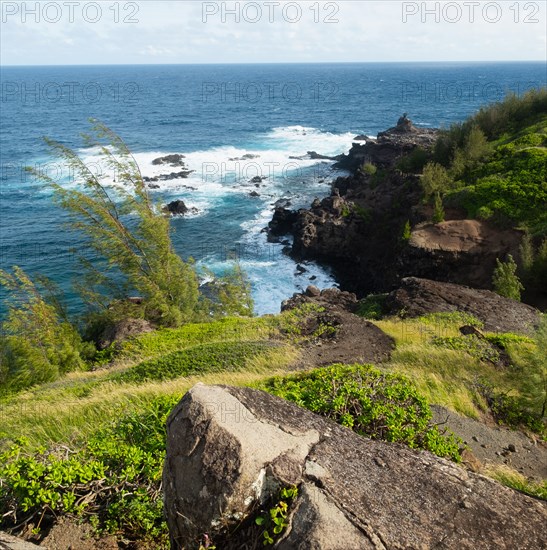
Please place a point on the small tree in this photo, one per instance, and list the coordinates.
(128, 233)
(231, 294)
(435, 179)
(438, 209)
(505, 280)
(407, 231)
(37, 343)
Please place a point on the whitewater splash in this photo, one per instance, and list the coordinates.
(251, 180)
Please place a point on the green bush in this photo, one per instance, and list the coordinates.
(438, 209)
(369, 168)
(372, 307)
(37, 344)
(435, 180)
(509, 410)
(414, 162)
(407, 232)
(479, 348)
(114, 479)
(505, 280)
(200, 359)
(308, 323)
(372, 403)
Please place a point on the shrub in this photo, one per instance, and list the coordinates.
(414, 162)
(435, 180)
(438, 210)
(308, 323)
(37, 344)
(505, 280)
(372, 307)
(508, 409)
(115, 478)
(407, 232)
(372, 403)
(369, 168)
(476, 347)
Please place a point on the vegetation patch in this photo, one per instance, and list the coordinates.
(511, 478)
(372, 307)
(372, 403)
(479, 348)
(201, 359)
(113, 480)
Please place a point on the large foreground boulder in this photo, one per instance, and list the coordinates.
(229, 449)
(7, 542)
(417, 297)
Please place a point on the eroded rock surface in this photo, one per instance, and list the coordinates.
(458, 251)
(229, 448)
(7, 542)
(418, 296)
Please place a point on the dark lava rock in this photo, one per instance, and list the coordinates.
(317, 156)
(177, 207)
(282, 222)
(171, 160)
(417, 297)
(183, 174)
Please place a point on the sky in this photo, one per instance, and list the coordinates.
(158, 32)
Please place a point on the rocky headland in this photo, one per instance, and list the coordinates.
(359, 230)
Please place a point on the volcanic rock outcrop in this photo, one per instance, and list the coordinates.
(229, 450)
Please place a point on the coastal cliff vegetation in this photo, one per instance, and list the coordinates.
(83, 425)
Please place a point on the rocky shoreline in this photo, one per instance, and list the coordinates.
(358, 231)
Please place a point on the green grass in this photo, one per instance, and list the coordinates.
(230, 351)
(452, 377)
(511, 478)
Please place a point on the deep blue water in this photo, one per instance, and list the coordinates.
(211, 114)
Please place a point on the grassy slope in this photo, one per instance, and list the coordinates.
(69, 409)
(78, 410)
(74, 406)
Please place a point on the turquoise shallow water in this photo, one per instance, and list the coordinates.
(214, 115)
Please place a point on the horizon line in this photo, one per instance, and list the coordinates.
(2, 65)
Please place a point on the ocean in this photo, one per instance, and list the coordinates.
(232, 123)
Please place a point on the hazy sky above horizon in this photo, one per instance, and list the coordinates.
(150, 32)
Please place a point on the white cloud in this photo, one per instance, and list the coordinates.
(175, 32)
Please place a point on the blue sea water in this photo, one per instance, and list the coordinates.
(214, 114)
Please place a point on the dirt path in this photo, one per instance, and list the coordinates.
(497, 445)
